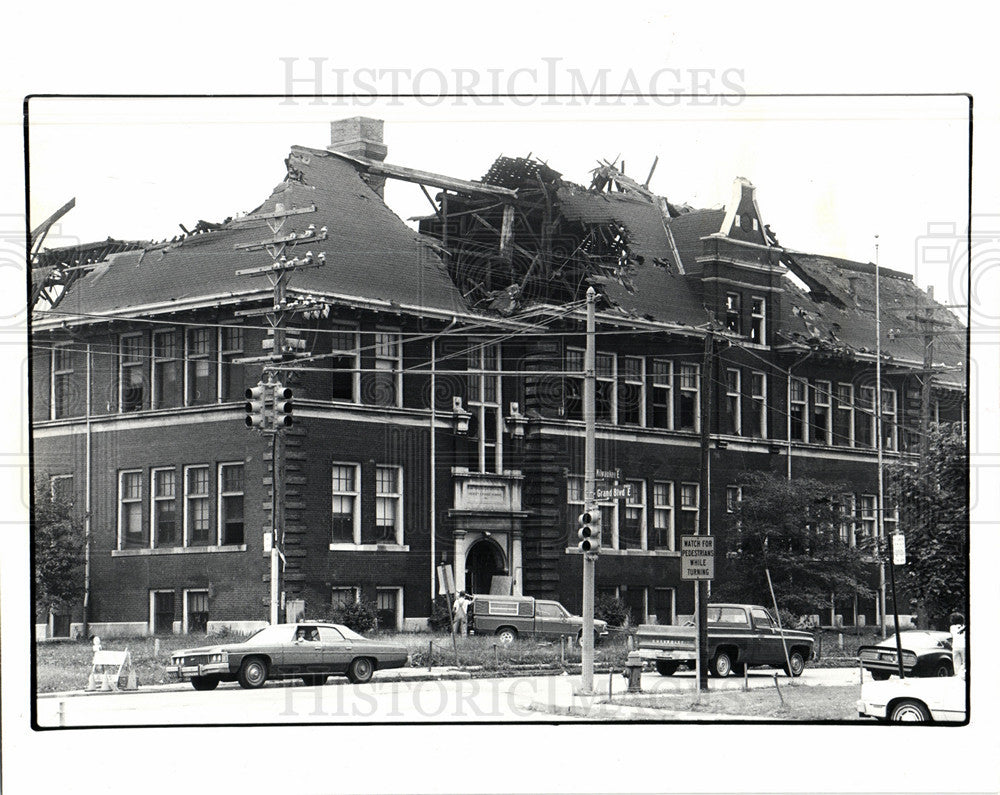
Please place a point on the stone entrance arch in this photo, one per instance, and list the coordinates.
(484, 560)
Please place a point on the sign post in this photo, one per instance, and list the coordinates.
(698, 563)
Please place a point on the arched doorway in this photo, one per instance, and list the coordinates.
(483, 560)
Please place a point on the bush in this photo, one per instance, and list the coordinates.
(440, 620)
(613, 610)
(360, 616)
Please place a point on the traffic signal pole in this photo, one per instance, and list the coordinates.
(589, 494)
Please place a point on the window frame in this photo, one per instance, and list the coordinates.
(695, 509)
(397, 590)
(222, 494)
(355, 354)
(396, 360)
(62, 377)
(121, 504)
(356, 592)
(191, 360)
(225, 360)
(890, 430)
(481, 407)
(734, 313)
(189, 497)
(638, 504)
(626, 380)
(759, 402)
(682, 370)
(571, 352)
(397, 496)
(818, 392)
(847, 407)
(802, 404)
(154, 502)
(668, 385)
(669, 507)
(734, 400)
(54, 490)
(610, 383)
(758, 320)
(867, 415)
(137, 362)
(156, 360)
(867, 517)
(185, 599)
(356, 512)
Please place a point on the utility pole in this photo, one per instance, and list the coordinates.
(269, 406)
(590, 506)
(701, 586)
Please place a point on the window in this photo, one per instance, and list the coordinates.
(663, 516)
(631, 392)
(734, 313)
(199, 366)
(866, 510)
(165, 508)
(663, 607)
(196, 514)
(388, 506)
(734, 402)
(864, 418)
(130, 375)
(343, 596)
(61, 489)
(662, 373)
(758, 320)
(688, 518)
(820, 428)
(843, 416)
(572, 384)
(690, 391)
(758, 405)
(483, 389)
(632, 526)
(388, 369)
(346, 526)
(195, 611)
(166, 370)
(345, 363)
(888, 419)
(231, 529)
(130, 530)
(604, 397)
(734, 496)
(890, 520)
(231, 384)
(388, 602)
(846, 524)
(574, 503)
(797, 414)
(62, 382)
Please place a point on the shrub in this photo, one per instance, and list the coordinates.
(360, 616)
(613, 610)
(440, 620)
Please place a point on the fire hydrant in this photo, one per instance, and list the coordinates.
(633, 672)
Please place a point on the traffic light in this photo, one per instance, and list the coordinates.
(256, 407)
(590, 531)
(282, 406)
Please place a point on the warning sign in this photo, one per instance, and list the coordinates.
(697, 557)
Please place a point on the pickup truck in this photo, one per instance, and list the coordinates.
(510, 617)
(738, 636)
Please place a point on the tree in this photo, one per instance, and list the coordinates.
(934, 516)
(790, 527)
(59, 551)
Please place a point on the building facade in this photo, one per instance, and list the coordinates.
(438, 414)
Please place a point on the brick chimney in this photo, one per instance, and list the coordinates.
(361, 136)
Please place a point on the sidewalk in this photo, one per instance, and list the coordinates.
(438, 673)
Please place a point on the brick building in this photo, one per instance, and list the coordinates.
(438, 416)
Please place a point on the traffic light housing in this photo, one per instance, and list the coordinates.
(590, 531)
(283, 406)
(256, 407)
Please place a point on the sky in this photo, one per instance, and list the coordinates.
(831, 172)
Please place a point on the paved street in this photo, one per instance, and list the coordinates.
(530, 698)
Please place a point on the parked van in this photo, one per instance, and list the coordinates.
(511, 617)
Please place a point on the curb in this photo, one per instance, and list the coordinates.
(607, 711)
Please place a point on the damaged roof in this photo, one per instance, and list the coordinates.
(370, 252)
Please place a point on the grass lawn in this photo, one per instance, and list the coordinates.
(65, 665)
(796, 702)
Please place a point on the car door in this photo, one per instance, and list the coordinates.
(552, 619)
(338, 651)
(300, 655)
(767, 641)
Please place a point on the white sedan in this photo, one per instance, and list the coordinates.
(918, 699)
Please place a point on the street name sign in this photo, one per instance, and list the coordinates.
(697, 557)
(613, 491)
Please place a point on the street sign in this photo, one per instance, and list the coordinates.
(898, 549)
(697, 557)
(613, 491)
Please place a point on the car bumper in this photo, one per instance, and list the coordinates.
(666, 654)
(184, 672)
(867, 709)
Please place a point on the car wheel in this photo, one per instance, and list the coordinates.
(666, 667)
(909, 711)
(314, 680)
(253, 673)
(943, 669)
(360, 670)
(880, 676)
(796, 664)
(205, 682)
(506, 635)
(721, 665)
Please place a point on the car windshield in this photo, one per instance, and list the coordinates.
(350, 634)
(277, 633)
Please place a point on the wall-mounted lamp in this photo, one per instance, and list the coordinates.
(516, 421)
(460, 416)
